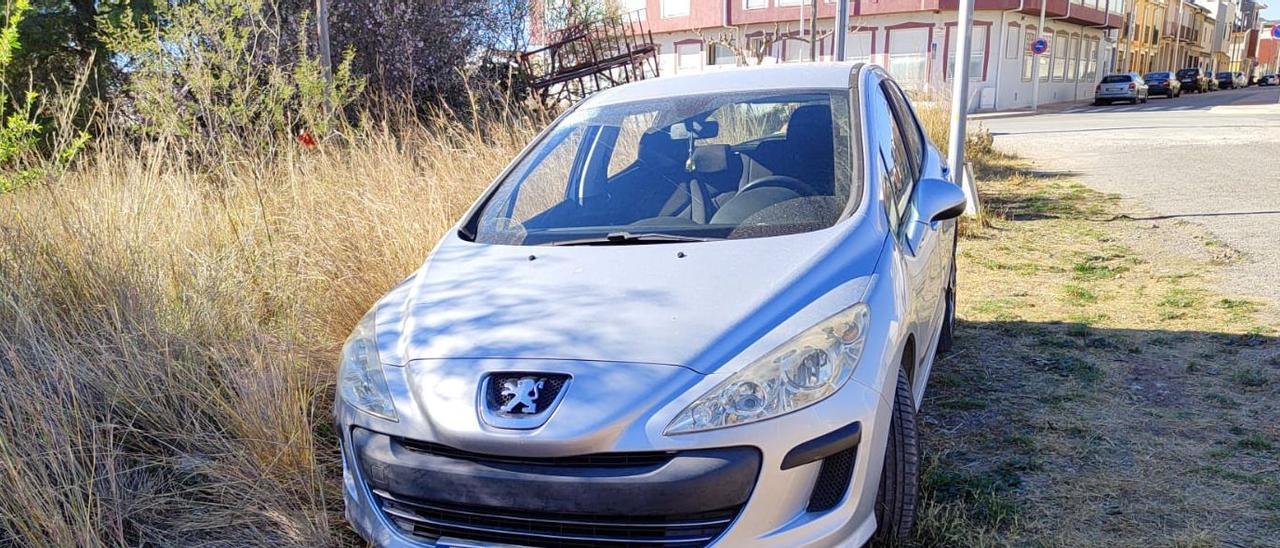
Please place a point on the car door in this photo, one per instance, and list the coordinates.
(898, 170)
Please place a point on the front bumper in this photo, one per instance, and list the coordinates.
(819, 492)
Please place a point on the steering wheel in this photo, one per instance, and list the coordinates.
(782, 181)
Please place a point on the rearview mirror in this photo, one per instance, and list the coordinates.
(939, 200)
(697, 129)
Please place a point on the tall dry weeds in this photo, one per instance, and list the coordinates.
(168, 336)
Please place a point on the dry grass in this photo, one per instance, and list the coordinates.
(168, 336)
(1101, 394)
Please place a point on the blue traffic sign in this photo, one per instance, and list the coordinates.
(1040, 46)
(1275, 32)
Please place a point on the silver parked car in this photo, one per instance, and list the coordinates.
(1127, 86)
(696, 310)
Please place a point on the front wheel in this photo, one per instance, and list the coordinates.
(900, 477)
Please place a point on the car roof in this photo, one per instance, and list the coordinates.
(828, 75)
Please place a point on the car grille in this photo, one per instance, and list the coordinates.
(432, 521)
(651, 458)
(833, 481)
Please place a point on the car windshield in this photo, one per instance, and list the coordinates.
(1157, 76)
(1224, 75)
(1117, 79)
(1187, 73)
(693, 168)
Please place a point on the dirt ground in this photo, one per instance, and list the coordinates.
(1102, 392)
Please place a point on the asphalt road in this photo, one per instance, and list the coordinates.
(1210, 159)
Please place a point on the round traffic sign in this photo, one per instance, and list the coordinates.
(1275, 32)
(1040, 46)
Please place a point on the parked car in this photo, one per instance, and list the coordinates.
(698, 309)
(1127, 86)
(1269, 80)
(1193, 80)
(1231, 80)
(1163, 83)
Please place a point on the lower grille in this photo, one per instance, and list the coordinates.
(434, 520)
(833, 481)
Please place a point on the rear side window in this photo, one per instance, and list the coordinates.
(1117, 79)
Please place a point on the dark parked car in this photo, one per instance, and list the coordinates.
(1163, 83)
(1194, 80)
(1230, 80)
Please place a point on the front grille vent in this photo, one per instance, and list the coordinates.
(609, 460)
(833, 481)
(432, 521)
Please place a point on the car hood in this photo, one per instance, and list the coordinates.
(690, 305)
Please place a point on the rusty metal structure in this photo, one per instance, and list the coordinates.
(586, 57)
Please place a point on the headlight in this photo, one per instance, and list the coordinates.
(800, 373)
(360, 379)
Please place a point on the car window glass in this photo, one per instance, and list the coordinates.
(890, 154)
(712, 166)
(912, 134)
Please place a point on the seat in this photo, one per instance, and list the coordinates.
(806, 153)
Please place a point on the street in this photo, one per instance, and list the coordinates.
(1210, 159)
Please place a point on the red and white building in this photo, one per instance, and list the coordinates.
(913, 39)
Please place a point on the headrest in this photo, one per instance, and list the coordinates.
(658, 149)
(710, 158)
(810, 125)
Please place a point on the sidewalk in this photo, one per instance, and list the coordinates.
(1053, 108)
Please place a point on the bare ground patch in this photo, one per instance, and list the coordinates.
(1102, 391)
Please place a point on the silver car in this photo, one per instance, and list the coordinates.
(1128, 86)
(695, 310)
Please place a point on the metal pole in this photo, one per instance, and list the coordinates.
(960, 91)
(1177, 36)
(842, 27)
(1035, 65)
(813, 32)
(322, 35)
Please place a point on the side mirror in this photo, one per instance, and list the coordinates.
(939, 200)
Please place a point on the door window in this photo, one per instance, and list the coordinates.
(889, 155)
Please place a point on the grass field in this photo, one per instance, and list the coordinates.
(1100, 393)
(169, 331)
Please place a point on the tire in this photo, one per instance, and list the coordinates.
(947, 338)
(900, 477)
(1133, 101)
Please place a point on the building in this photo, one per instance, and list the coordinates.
(1141, 37)
(1268, 50)
(913, 39)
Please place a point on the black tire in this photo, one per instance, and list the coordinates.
(900, 478)
(947, 338)
(1133, 101)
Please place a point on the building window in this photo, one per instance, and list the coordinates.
(689, 57)
(976, 55)
(790, 2)
(908, 54)
(1073, 58)
(675, 8)
(755, 4)
(859, 44)
(1060, 57)
(720, 54)
(796, 50)
(1091, 60)
(1011, 44)
(1027, 58)
(1048, 56)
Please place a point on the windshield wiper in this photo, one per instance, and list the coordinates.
(627, 238)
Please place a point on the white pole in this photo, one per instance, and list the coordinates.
(842, 27)
(960, 90)
(1035, 65)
